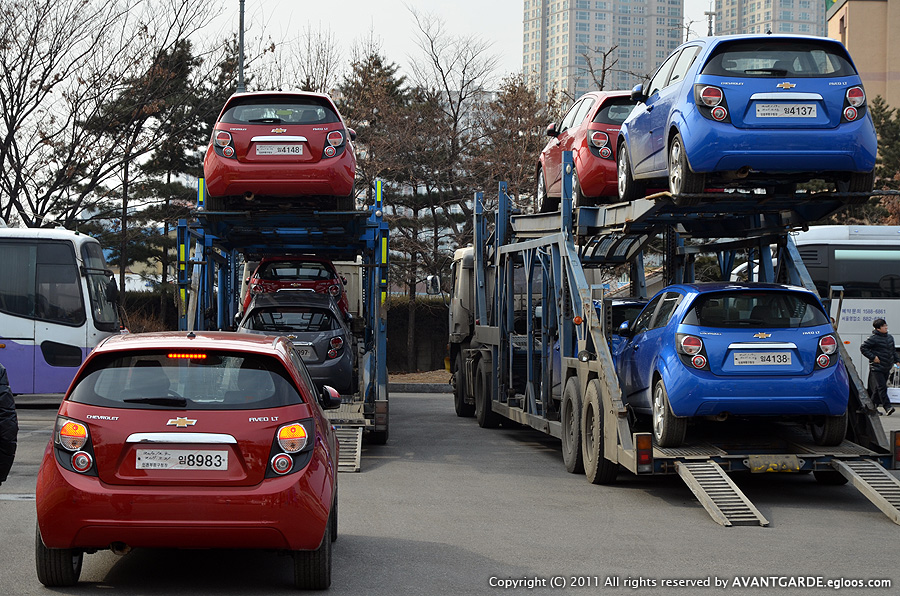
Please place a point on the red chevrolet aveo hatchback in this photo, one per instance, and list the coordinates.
(184, 440)
(302, 273)
(271, 148)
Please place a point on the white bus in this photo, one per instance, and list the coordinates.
(57, 301)
(865, 262)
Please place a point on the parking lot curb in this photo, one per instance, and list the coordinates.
(419, 388)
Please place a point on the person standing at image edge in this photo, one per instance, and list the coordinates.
(879, 349)
(9, 426)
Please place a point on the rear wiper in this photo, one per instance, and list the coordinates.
(778, 71)
(266, 120)
(158, 401)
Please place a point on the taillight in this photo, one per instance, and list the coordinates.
(71, 435)
(222, 138)
(335, 290)
(331, 354)
(828, 344)
(856, 96)
(282, 463)
(719, 113)
(850, 113)
(337, 343)
(292, 437)
(82, 462)
(644, 444)
(823, 361)
(599, 139)
(691, 345)
(698, 361)
(335, 138)
(711, 96)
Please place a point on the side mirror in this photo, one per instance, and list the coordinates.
(637, 93)
(330, 399)
(246, 280)
(433, 285)
(352, 134)
(112, 291)
(237, 319)
(343, 280)
(624, 329)
(551, 130)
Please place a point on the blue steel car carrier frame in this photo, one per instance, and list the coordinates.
(505, 361)
(209, 284)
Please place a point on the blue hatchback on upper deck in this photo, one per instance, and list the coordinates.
(749, 111)
(723, 350)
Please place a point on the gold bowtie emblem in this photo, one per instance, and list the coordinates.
(785, 85)
(279, 130)
(762, 335)
(181, 422)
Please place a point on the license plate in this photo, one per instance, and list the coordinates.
(279, 149)
(785, 110)
(761, 358)
(179, 459)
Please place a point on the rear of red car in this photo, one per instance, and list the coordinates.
(300, 273)
(279, 145)
(188, 445)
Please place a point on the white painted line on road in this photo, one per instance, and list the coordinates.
(17, 497)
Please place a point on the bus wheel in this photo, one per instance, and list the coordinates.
(483, 414)
(571, 427)
(597, 468)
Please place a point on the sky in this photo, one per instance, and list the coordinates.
(498, 22)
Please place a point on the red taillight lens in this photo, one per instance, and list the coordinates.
(228, 151)
(292, 437)
(82, 462)
(828, 344)
(335, 138)
(282, 463)
(691, 345)
(222, 138)
(850, 113)
(71, 435)
(711, 96)
(337, 343)
(719, 113)
(698, 361)
(332, 353)
(856, 96)
(330, 151)
(823, 361)
(335, 290)
(599, 139)
(605, 152)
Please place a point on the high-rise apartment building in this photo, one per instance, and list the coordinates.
(806, 17)
(564, 40)
(868, 29)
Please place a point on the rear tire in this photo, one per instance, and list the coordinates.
(545, 204)
(629, 188)
(668, 429)
(597, 468)
(485, 417)
(682, 178)
(570, 416)
(858, 182)
(312, 568)
(464, 409)
(578, 198)
(334, 515)
(829, 430)
(56, 567)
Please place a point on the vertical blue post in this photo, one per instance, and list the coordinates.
(181, 235)
(478, 240)
(201, 193)
(382, 271)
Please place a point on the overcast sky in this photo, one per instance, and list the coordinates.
(496, 21)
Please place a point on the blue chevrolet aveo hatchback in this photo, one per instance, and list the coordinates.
(758, 111)
(721, 350)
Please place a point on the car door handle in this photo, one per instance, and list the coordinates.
(649, 108)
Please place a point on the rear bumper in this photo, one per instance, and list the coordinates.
(700, 393)
(229, 177)
(719, 147)
(288, 513)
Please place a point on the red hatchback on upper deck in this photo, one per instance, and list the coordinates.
(304, 273)
(190, 440)
(589, 129)
(276, 147)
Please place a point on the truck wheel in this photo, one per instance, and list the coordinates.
(312, 568)
(56, 567)
(829, 430)
(858, 182)
(483, 386)
(464, 409)
(829, 477)
(597, 468)
(379, 437)
(571, 431)
(668, 429)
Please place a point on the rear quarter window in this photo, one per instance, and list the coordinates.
(173, 379)
(779, 58)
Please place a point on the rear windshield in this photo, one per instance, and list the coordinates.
(779, 58)
(615, 111)
(269, 110)
(296, 319)
(756, 309)
(295, 270)
(208, 380)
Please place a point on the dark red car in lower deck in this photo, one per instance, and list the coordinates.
(589, 129)
(297, 273)
(190, 440)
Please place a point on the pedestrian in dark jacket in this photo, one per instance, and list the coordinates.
(882, 354)
(9, 426)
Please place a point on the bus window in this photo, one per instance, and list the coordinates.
(58, 296)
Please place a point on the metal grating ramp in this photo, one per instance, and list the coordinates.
(721, 498)
(350, 439)
(877, 484)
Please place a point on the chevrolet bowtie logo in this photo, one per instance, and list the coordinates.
(762, 335)
(181, 422)
(281, 130)
(785, 85)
